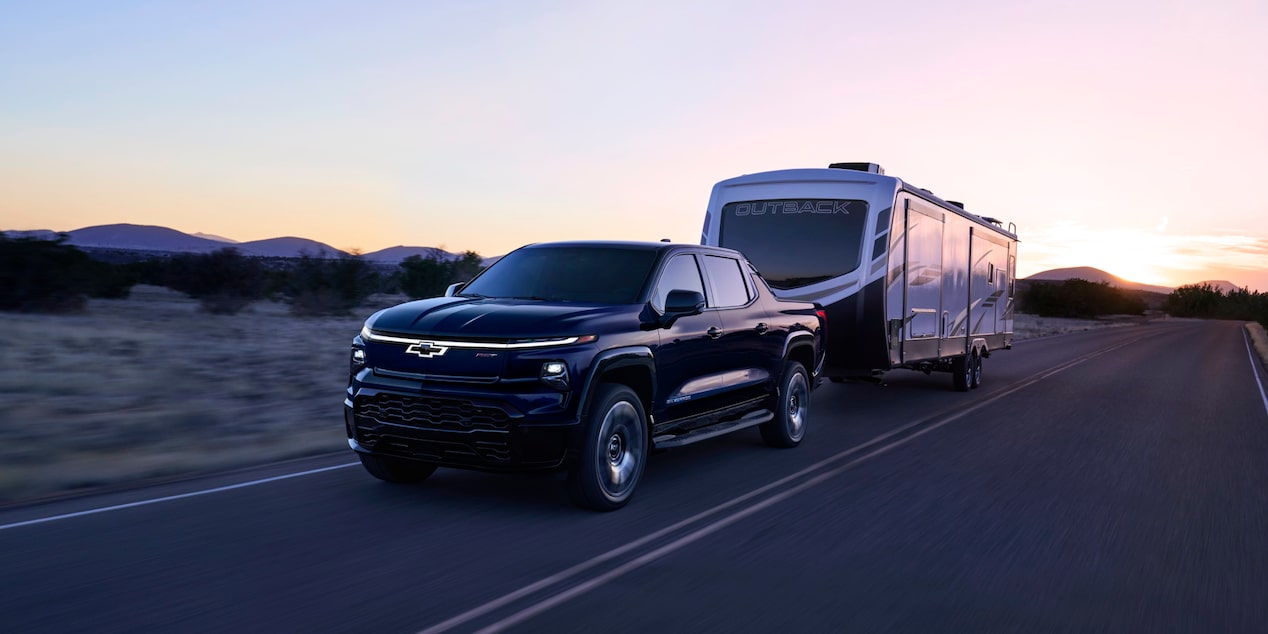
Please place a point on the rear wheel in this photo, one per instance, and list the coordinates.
(613, 451)
(396, 470)
(792, 408)
(962, 372)
(976, 379)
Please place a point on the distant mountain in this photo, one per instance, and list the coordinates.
(141, 238)
(1096, 275)
(151, 239)
(38, 234)
(398, 253)
(288, 247)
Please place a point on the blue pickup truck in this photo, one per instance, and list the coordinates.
(583, 356)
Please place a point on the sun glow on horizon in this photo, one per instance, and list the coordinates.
(1146, 256)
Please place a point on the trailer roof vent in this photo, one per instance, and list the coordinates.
(871, 168)
(998, 223)
(956, 203)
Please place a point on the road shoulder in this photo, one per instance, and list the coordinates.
(1259, 338)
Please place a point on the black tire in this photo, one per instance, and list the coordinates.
(613, 450)
(962, 373)
(976, 380)
(792, 408)
(398, 470)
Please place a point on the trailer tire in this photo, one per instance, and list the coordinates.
(976, 365)
(962, 373)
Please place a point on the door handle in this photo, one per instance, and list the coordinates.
(714, 332)
(762, 328)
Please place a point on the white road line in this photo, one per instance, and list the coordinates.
(1254, 368)
(718, 524)
(169, 498)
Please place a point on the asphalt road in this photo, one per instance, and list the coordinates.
(1113, 480)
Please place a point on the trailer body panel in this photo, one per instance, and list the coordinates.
(907, 279)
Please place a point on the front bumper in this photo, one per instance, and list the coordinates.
(488, 431)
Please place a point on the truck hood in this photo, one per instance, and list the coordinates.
(495, 318)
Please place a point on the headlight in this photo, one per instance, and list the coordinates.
(356, 360)
(555, 374)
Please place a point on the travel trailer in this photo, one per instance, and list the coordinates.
(907, 279)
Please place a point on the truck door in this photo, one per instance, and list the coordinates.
(689, 358)
(922, 282)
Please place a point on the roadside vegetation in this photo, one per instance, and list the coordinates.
(1078, 299)
(51, 276)
(1207, 302)
(430, 276)
(118, 372)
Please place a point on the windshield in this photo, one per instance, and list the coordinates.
(591, 274)
(796, 242)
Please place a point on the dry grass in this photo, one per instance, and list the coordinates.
(1031, 326)
(151, 386)
(1259, 339)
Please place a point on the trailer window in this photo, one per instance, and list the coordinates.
(796, 242)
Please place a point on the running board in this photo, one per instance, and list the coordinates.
(752, 419)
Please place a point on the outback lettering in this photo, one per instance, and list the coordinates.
(772, 207)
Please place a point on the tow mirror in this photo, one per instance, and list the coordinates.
(680, 303)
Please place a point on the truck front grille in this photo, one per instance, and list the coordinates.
(428, 412)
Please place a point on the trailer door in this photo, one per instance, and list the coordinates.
(923, 282)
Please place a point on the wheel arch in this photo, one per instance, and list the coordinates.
(633, 367)
(800, 347)
(978, 346)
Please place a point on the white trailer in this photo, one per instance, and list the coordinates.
(907, 279)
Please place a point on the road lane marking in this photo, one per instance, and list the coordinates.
(934, 421)
(169, 498)
(1254, 368)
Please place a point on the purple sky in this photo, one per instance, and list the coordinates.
(1129, 136)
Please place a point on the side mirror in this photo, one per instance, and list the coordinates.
(453, 289)
(680, 303)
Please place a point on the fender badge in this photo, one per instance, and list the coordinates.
(426, 349)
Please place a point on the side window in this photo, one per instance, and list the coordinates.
(727, 281)
(682, 274)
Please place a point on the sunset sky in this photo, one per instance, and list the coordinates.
(1131, 136)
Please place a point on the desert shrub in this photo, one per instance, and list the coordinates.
(223, 281)
(1206, 301)
(430, 276)
(328, 286)
(51, 276)
(1079, 299)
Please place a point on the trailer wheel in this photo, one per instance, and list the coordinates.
(962, 373)
(976, 364)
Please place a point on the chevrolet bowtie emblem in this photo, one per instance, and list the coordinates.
(426, 349)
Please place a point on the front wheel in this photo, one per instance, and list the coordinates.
(613, 451)
(396, 470)
(792, 408)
